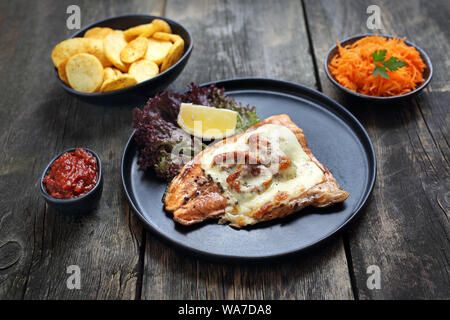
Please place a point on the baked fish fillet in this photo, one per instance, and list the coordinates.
(263, 173)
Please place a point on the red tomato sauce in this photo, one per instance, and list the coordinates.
(72, 175)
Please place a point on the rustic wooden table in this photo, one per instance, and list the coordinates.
(404, 229)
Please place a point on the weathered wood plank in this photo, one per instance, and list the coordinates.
(404, 229)
(239, 39)
(39, 120)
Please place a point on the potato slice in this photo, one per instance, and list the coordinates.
(98, 32)
(158, 26)
(134, 50)
(117, 71)
(114, 44)
(84, 72)
(109, 73)
(67, 48)
(175, 53)
(157, 50)
(62, 73)
(147, 30)
(120, 82)
(167, 37)
(136, 31)
(143, 70)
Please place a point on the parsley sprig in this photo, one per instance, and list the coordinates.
(381, 66)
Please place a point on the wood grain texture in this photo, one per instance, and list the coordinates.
(242, 39)
(405, 227)
(38, 120)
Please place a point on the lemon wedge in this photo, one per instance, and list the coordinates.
(207, 122)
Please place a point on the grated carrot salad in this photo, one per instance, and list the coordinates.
(354, 64)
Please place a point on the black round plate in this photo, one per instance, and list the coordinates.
(335, 137)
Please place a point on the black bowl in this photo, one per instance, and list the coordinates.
(143, 89)
(427, 73)
(81, 204)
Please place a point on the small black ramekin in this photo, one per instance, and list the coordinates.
(81, 204)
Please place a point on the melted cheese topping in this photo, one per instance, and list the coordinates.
(261, 185)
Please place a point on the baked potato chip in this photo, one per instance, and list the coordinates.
(157, 50)
(67, 48)
(84, 72)
(109, 73)
(134, 50)
(120, 82)
(117, 71)
(158, 26)
(147, 30)
(98, 32)
(143, 70)
(167, 37)
(62, 73)
(136, 31)
(114, 44)
(175, 53)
